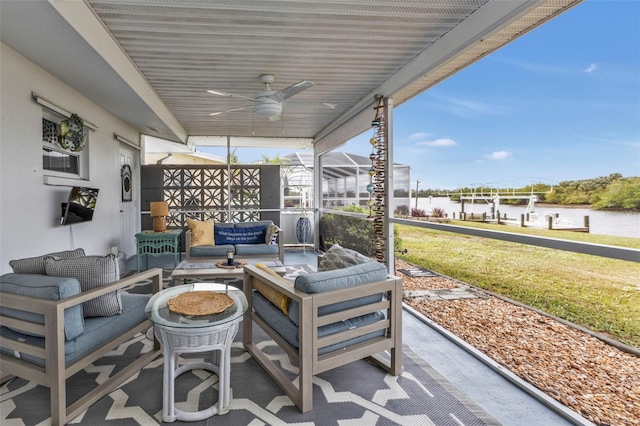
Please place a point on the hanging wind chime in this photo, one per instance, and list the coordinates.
(376, 186)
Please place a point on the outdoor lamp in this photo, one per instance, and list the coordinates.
(159, 213)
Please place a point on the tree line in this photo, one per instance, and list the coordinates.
(613, 192)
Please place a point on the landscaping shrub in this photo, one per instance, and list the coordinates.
(418, 213)
(402, 210)
(351, 232)
(438, 212)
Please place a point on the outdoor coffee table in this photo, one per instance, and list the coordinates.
(207, 269)
(180, 334)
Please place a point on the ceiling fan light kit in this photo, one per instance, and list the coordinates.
(267, 108)
(268, 103)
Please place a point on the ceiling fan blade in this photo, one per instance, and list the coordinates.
(229, 95)
(290, 91)
(314, 105)
(231, 110)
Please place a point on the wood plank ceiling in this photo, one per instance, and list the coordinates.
(348, 48)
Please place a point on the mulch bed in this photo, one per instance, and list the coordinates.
(597, 380)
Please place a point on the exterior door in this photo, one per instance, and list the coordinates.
(129, 199)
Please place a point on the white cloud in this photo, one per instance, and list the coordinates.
(498, 156)
(591, 68)
(418, 136)
(468, 107)
(631, 143)
(537, 67)
(438, 142)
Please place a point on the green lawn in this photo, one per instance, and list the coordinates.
(598, 293)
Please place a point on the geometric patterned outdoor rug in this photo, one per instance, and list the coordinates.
(356, 394)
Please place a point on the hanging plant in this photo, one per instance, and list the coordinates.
(72, 134)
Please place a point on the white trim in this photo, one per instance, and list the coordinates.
(251, 142)
(64, 181)
(58, 109)
(126, 141)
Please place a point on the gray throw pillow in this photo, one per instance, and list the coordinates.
(91, 272)
(36, 265)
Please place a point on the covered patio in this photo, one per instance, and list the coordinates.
(198, 73)
(189, 73)
(478, 386)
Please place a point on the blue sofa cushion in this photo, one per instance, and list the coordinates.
(98, 330)
(92, 272)
(36, 265)
(270, 231)
(352, 276)
(289, 331)
(256, 249)
(212, 251)
(242, 235)
(48, 288)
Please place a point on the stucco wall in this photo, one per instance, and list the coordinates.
(30, 209)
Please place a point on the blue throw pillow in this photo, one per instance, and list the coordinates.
(252, 235)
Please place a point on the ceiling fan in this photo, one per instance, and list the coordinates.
(268, 103)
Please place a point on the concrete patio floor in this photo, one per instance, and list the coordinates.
(506, 402)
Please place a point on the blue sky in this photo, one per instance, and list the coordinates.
(560, 103)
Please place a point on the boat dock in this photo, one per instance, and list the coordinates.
(528, 219)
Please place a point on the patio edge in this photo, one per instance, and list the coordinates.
(525, 386)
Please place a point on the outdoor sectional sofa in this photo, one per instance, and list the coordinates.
(259, 239)
(52, 327)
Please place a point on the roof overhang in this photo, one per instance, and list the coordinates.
(150, 63)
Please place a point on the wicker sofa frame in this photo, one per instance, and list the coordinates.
(55, 373)
(306, 355)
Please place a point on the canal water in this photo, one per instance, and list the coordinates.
(623, 224)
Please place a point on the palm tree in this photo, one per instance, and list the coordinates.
(233, 158)
(285, 172)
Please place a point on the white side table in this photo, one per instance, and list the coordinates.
(180, 334)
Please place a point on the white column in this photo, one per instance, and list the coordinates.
(317, 196)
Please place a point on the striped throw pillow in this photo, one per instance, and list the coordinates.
(36, 265)
(271, 237)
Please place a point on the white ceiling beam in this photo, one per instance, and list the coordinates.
(251, 142)
(158, 145)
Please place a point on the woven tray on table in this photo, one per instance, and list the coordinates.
(193, 303)
(235, 265)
